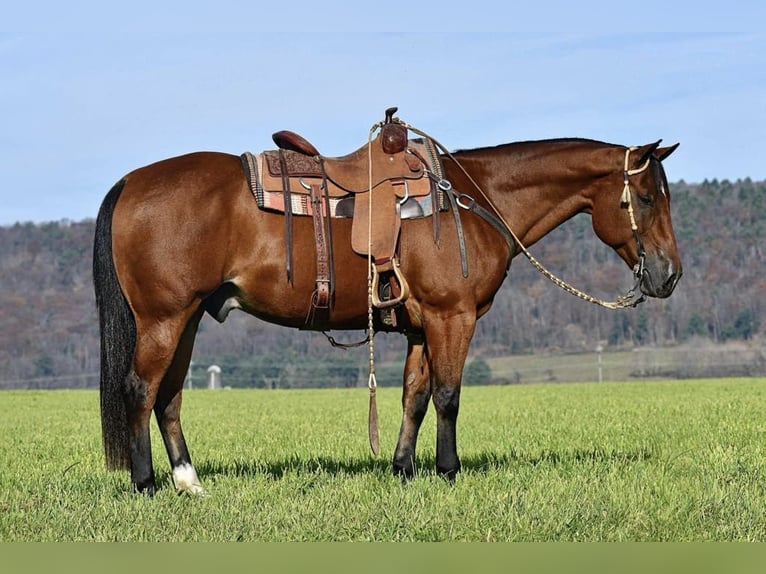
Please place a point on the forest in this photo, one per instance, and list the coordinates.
(49, 328)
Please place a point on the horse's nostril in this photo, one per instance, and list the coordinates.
(671, 282)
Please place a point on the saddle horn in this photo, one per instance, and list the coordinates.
(393, 134)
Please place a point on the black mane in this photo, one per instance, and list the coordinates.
(527, 142)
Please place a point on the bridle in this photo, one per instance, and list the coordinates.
(626, 200)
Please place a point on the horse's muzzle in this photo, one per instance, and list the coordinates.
(659, 279)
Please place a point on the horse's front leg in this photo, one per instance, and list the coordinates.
(448, 339)
(416, 393)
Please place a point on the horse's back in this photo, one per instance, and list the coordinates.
(184, 177)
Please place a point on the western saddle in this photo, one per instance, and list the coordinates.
(388, 179)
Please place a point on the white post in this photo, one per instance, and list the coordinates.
(214, 377)
(599, 349)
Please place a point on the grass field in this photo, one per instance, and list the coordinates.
(538, 368)
(660, 461)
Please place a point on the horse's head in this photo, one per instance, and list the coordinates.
(636, 223)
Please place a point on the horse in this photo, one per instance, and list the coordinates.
(183, 236)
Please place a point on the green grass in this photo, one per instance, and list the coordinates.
(635, 461)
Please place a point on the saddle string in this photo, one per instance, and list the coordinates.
(623, 301)
(372, 383)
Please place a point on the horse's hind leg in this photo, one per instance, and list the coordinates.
(156, 347)
(416, 393)
(167, 409)
(138, 399)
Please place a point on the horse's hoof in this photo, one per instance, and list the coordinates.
(148, 489)
(193, 490)
(449, 475)
(404, 473)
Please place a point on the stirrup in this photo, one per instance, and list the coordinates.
(392, 265)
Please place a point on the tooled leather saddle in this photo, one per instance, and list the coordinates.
(381, 183)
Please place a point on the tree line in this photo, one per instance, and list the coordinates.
(49, 328)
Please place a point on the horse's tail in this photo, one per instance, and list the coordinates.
(118, 338)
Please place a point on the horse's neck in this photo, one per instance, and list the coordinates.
(546, 205)
(538, 191)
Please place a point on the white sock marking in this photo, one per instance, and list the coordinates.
(186, 480)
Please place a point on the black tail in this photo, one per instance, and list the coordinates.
(118, 338)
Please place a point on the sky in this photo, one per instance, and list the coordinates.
(92, 90)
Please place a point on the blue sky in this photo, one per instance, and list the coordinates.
(90, 91)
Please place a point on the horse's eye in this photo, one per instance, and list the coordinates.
(647, 200)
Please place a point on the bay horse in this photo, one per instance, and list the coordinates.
(184, 236)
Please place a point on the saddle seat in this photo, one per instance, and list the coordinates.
(350, 173)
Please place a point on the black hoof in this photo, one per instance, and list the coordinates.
(449, 475)
(405, 472)
(147, 488)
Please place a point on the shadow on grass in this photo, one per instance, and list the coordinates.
(492, 460)
(483, 462)
(276, 469)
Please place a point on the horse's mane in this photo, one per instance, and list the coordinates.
(530, 142)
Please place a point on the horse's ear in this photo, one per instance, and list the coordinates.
(645, 152)
(663, 152)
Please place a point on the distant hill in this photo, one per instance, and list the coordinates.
(49, 330)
